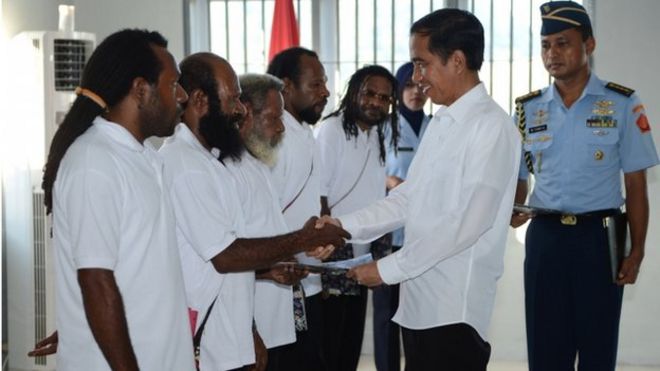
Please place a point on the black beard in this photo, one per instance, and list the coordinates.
(221, 131)
(371, 121)
(309, 115)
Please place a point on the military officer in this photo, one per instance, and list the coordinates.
(578, 134)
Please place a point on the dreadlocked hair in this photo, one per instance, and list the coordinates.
(349, 106)
(109, 73)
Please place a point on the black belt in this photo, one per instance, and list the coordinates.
(572, 219)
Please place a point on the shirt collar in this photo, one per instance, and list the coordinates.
(463, 107)
(295, 124)
(120, 135)
(182, 132)
(594, 87)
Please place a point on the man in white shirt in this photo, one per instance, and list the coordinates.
(352, 146)
(455, 204)
(212, 221)
(296, 177)
(261, 132)
(120, 294)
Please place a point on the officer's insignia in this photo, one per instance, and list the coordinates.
(538, 139)
(638, 108)
(538, 128)
(601, 122)
(529, 96)
(603, 108)
(598, 155)
(540, 117)
(546, 8)
(600, 133)
(619, 89)
(643, 124)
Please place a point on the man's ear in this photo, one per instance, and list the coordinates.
(245, 124)
(590, 45)
(199, 101)
(288, 87)
(141, 90)
(459, 60)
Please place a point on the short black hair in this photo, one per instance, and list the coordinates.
(450, 30)
(286, 64)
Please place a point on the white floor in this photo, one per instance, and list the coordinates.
(367, 364)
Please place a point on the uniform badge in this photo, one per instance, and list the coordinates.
(538, 128)
(638, 108)
(643, 124)
(600, 133)
(603, 108)
(540, 117)
(601, 122)
(598, 155)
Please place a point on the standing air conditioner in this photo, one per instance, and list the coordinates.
(45, 69)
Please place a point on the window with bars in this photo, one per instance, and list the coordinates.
(377, 31)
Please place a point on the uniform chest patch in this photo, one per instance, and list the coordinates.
(601, 122)
(536, 129)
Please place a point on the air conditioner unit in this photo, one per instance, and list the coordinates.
(46, 67)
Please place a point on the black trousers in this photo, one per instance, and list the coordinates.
(456, 347)
(306, 353)
(387, 354)
(343, 330)
(571, 305)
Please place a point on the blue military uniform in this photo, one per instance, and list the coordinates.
(577, 156)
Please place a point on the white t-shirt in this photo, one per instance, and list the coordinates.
(110, 212)
(352, 174)
(296, 177)
(273, 308)
(456, 205)
(210, 218)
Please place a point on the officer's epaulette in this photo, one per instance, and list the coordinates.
(528, 96)
(620, 89)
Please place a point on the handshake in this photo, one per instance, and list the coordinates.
(322, 236)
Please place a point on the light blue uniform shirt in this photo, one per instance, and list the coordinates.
(578, 153)
(397, 164)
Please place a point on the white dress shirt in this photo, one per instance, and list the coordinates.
(456, 205)
(352, 174)
(111, 211)
(209, 219)
(273, 309)
(296, 178)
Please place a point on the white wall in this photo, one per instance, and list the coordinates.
(101, 17)
(627, 52)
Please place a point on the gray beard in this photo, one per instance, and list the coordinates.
(262, 150)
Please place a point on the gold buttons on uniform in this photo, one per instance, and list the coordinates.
(598, 155)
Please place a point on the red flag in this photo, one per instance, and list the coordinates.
(284, 33)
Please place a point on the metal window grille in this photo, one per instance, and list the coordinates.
(377, 31)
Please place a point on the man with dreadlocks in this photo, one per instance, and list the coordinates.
(217, 226)
(351, 143)
(119, 290)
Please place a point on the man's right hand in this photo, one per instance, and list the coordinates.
(518, 219)
(322, 240)
(45, 346)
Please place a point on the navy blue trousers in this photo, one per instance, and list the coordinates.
(572, 307)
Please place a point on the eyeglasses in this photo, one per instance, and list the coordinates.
(370, 94)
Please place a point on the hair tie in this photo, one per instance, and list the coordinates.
(93, 96)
